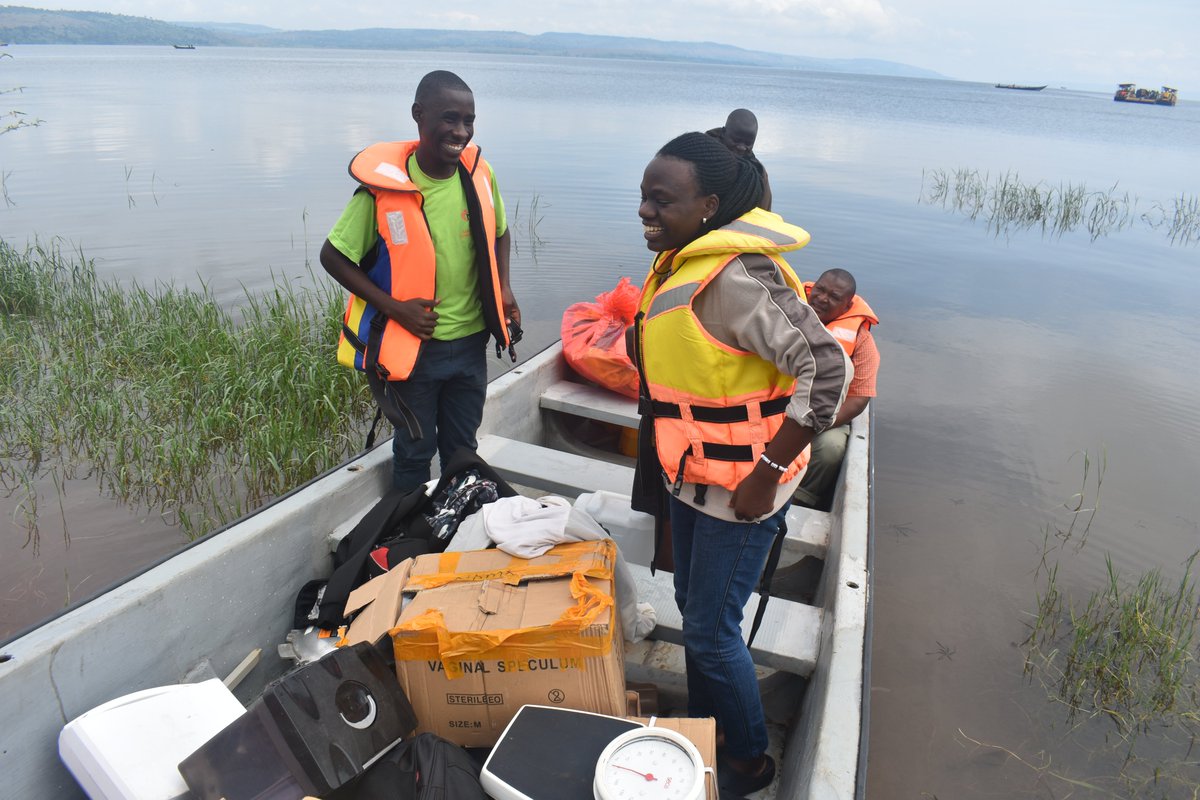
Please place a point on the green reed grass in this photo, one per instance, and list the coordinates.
(165, 398)
(525, 225)
(1009, 204)
(1128, 655)
(1129, 652)
(1183, 220)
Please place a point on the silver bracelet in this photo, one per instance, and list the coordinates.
(779, 467)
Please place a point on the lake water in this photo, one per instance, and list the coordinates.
(1005, 356)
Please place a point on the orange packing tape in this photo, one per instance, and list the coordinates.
(572, 635)
(593, 559)
(501, 646)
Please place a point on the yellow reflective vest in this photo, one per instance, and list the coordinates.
(715, 407)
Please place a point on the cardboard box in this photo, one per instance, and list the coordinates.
(486, 633)
(378, 603)
(702, 733)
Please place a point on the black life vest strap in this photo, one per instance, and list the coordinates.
(648, 494)
(715, 414)
(490, 303)
(374, 425)
(764, 582)
(352, 337)
(391, 404)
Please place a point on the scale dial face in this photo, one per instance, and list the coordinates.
(650, 764)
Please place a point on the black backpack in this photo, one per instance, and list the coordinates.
(425, 767)
(405, 523)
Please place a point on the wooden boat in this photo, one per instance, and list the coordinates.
(1023, 88)
(1129, 93)
(232, 593)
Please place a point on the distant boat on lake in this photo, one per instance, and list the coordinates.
(1022, 88)
(184, 46)
(1129, 93)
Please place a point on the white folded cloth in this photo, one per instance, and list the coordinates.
(527, 528)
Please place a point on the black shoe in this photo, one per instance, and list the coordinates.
(730, 780)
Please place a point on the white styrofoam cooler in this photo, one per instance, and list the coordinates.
(130, 748)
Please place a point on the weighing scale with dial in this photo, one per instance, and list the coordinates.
(651, 763)
(549, 753)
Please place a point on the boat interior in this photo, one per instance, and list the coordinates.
(233, 593)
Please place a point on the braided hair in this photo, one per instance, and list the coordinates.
(733, 179)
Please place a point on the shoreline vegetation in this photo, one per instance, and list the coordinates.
(1007, 204)
(1124, 664)
(169, 401)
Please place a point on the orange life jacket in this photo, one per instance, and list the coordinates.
(405, 266)
(845, 328)
(715, 407)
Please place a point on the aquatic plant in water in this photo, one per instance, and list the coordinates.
(13, 119)
(165, 398)
(1009, 205)
(1127, 657)
(527, 224)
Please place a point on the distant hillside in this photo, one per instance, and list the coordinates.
(35, 26)
(228, 27)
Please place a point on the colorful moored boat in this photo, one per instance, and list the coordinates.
(1129, 93)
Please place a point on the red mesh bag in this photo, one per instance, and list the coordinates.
(593, 338)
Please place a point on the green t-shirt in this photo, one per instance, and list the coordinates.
(459, 312)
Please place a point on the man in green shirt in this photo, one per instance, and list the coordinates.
(428, 281)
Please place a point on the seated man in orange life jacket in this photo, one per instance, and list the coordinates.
(739, 133)
(849, 318)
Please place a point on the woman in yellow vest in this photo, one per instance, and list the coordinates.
(740, 374)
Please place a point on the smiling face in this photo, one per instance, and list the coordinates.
(445, 124)
(830, 297)
(673, 210)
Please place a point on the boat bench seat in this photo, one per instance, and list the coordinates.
(788, 638)
(552, 471)
(570, 476)
(591, 402)
(808, 529)
(807, 534)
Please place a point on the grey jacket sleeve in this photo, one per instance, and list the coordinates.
(749, 306)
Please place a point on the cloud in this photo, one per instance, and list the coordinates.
(861, 18)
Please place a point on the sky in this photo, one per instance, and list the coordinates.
(1079, 45)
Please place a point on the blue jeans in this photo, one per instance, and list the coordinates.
(445, 391)
(717, 567)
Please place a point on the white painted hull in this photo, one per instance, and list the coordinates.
(233, 592)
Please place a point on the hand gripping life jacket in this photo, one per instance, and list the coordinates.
(404, 264)
(715, 407)
(845, 328)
